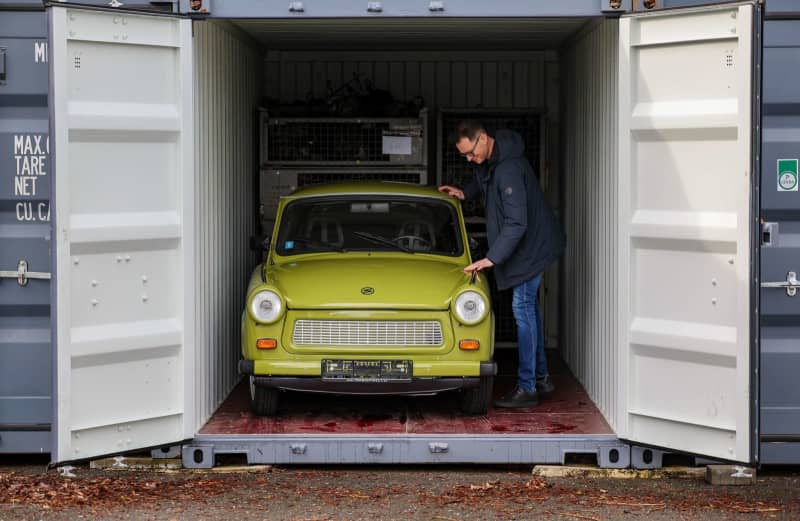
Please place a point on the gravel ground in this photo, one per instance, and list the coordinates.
(29, 492)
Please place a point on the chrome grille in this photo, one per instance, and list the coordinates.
(367, 333)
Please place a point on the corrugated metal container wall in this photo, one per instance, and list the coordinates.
(589, 302)
(780, 252)
(227, 90)
(444, 79)
(26, 353)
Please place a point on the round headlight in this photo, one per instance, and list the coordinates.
(470, 307)
(266, 306)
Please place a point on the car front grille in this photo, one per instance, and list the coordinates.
(367, 333)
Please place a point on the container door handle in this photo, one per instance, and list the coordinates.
(790, 284)
(3, 65)
(23, 275)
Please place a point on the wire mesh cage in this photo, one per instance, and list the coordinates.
(455, 170)
(341, 141)
(279, 181)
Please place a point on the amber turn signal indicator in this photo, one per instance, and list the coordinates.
(266, 343)
(469, 345)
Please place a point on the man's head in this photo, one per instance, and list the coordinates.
(472, 141)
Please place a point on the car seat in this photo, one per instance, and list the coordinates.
(410, 233)
(326, 231)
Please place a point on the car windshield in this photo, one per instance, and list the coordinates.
(369, 223)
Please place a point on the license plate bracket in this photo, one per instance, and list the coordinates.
(367, 370)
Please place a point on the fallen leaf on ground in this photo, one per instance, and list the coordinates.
(577, 516)
(52, 491)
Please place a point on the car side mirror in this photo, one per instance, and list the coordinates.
(477, 248)
(261, 246)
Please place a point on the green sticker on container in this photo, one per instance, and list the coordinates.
(787, 175)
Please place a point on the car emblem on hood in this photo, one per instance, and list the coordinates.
(367, 290)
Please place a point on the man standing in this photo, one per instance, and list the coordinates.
(524, 239)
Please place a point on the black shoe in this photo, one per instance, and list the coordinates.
(544, 385)
(518, 398)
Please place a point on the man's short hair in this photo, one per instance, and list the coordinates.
(467, 128)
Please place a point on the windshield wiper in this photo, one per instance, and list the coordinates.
(382, 240)
(312, 242)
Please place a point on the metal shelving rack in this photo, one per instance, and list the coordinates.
(300, 151)
(344, 141)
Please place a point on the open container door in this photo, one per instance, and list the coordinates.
(686, 167)
(121, 104)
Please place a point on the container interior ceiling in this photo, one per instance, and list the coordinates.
(564, 68)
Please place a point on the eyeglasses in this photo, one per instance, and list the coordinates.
(471, 153)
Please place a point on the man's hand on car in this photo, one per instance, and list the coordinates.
(478, 266)
(452, 191)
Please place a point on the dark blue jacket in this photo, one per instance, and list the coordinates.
(524, 234)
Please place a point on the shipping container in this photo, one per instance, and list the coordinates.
(26, 354)
(668, 144)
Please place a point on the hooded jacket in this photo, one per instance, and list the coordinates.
(523, 233)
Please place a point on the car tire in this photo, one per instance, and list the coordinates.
(263, 400)
(476, 400)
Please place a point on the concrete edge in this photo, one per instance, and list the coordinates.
(559, 471)
(171, 465)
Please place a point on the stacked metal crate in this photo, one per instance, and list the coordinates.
(301, 151)
(452, 169)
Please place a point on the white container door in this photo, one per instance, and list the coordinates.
(686, 168)
(122, 109)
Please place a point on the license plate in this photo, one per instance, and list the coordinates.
(367, 370)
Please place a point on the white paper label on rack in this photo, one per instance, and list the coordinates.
(397, 145)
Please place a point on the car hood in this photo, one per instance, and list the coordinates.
(413, 282)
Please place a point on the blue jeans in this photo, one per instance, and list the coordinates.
(530, 333)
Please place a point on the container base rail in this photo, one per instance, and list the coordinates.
(329, 449)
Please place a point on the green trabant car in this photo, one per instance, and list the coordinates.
(362, 291)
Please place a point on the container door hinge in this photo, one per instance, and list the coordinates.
(22, 274)
(791, 284)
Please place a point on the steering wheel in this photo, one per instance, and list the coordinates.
(414, 242)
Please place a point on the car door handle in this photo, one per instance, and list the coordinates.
(790, 284)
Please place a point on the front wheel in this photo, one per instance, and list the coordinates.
(263, 400)
(476, 400)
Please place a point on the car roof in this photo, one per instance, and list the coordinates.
(367, 187)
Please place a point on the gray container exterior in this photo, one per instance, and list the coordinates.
(26, 354)
(780, 251)
(25, 324)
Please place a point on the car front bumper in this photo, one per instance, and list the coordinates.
(416, 385)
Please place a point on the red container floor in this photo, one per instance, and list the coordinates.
(568, 411)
